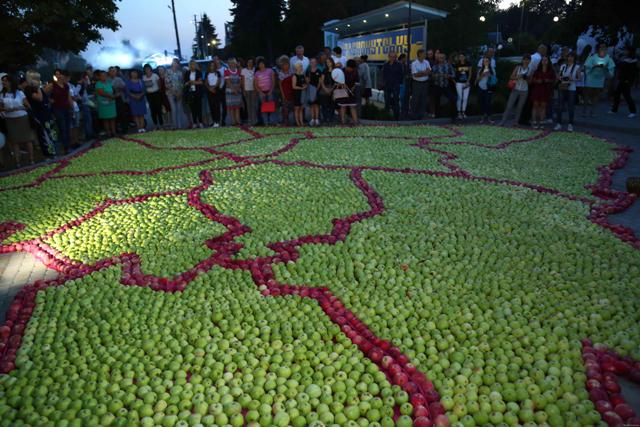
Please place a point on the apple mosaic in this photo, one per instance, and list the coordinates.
(370, 276)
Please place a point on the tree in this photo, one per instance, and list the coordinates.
(206, 37)
(30, 26)
(257, 27)
(304, 20)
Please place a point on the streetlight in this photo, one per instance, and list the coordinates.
(482, 18)
(556, 19)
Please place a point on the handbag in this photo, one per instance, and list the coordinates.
(268, 107)
(340, 93)
(493, 80)
(511, 85)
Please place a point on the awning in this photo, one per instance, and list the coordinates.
(393, 15)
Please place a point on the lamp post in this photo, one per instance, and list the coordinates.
(175, 27)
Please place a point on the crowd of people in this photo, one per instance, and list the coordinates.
(58, 114)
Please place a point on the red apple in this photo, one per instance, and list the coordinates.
(624, 411)
(422, 422)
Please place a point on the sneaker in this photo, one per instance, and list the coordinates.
(464, 116)
(201, 126)
(549, 121)
(558, 127)
(612, 112)
(631, 115)
(570, 128)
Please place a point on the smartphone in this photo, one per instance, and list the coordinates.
(55, 79)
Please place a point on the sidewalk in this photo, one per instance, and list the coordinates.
(618, 122)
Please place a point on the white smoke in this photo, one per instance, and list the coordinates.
(124, 53)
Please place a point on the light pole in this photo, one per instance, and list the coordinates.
(175, 27)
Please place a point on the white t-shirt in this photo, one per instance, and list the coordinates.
(10, 101)
(535, 61)
(305, 62)
(151, 83)
(212, 78)
(248, 78)
(338, 76)
(571, 72)
(419, 67)
(341, 59)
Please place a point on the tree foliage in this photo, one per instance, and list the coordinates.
(257, 27)
(206, 38)
(30, 26)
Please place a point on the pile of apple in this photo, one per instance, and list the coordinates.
(99, 353)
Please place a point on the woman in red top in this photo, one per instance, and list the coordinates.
(542, 82)
(62, 106)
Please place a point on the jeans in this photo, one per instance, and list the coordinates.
(122, 109)
(568, 98)
(485, 102)
(392, 101)
(177, 110)
(195, 105)
(251, 100)
(446, 91)
(63, 119)
(623, 89)
(463, 90)
(516, 100)
(155, 105)
(87, 121)
(268, 118)
(419, 99)
(214, 105)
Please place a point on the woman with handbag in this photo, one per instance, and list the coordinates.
(486, 81)
(519, 85)
(542, 80)
(313, 80)
(264, 82)
(348, 85)
(568, 75)
(326, 90)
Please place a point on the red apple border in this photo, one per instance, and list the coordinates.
(388, 358)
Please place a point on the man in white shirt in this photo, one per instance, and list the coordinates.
(338, 58)
(420, 70)
(491, 54)
(537, 57)
(299, 57)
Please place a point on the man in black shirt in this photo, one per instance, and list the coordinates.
(392, 75)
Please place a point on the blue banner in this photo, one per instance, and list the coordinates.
(378, 45)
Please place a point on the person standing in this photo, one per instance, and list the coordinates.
(39, 102)
(106, 99)
(119, 86)
(392, 77)
(220, 66)
(285, 80)
(568, 75)
(62, 107)
(348, 81)
(82, 88)
(175, 90)
(299, 85)
(250, 96)
(233, 91)
(313, 81)
(519, 81)
(299, 58)
(463, 77)
(154, 96)
(542, 81)
(364, 73)
(490, 54)
(443, 75)
(264, 82)
(137, 101)
(627, 74)
(166, 106)
(193, 93)
(326, 91)
(486, 80)
(212, 81)
(598, 68)
(13, 108)
(420, 70)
